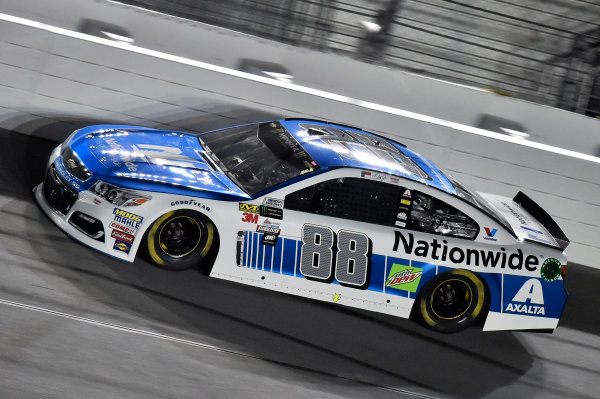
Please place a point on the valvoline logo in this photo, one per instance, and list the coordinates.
(490, 233)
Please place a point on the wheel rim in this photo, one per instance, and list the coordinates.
(180, 236)
(451, 299)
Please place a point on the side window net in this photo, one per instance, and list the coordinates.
(434, 216)
(349, 198)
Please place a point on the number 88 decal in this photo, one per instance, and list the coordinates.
(351, 262)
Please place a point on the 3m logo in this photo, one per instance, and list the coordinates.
(248, 208)
(250, 218)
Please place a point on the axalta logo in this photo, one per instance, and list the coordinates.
(528, 300)
(477, 257)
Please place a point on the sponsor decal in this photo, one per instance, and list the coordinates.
(435, 250)
(374, 175)
(337, 297)
(122, 246)
(271, 223)
(123, 228)
(127, 218)
(551, 269)
(270, 239)
(538, 239)
(97, 201)
(489, 234)
(248, 208)
(528, 300)
(275, 213)
(125, 155)
(532, 230)
(249, 217)
(405, 201)
(401, 216)
(516, 214)
(274, 202)
(404, 277)
(267, 229)
(400, 224)
(191, 202)
(406, 194)
(128, 238)
(394, 179)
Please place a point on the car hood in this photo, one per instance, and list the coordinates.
(148, 159)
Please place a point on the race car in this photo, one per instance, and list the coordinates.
(316, 209)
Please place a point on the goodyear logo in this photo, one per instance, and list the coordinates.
(128, 215)
(248, 208)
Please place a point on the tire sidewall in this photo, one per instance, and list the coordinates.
(158, 257)
(476, 308)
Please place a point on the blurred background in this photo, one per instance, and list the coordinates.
(502, 94)
(542, 51)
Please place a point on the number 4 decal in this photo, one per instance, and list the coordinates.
(351, 261)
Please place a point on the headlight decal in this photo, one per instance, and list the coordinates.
(119, 196)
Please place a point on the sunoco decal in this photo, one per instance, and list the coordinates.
(477, 257)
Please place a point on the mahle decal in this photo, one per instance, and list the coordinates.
(404, 277)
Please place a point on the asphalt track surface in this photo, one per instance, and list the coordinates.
(77, 324)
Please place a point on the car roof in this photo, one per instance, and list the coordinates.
(334, 145)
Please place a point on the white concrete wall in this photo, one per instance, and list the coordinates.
(47, 77)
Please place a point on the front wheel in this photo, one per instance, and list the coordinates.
(179, 240)
(451, 301)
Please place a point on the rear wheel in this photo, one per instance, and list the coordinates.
(179, 240)
(451, 301)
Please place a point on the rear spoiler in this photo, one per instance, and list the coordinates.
(544, 218)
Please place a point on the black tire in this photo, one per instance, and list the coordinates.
(451, 301)
(179, 240)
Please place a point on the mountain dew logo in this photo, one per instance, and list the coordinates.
(404, 277)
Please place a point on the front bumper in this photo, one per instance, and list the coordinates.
(80, 214)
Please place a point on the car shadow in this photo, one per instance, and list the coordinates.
(282, 329)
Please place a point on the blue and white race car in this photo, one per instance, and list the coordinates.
(316, 209)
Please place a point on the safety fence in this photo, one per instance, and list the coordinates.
(541, 51)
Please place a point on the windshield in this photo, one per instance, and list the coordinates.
(476, 200)
(258, 157)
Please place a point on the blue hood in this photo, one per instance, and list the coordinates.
(149, 159)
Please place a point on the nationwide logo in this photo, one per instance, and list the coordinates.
(435, 250)
(490, 234)
(529, 298)
(404, 277)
